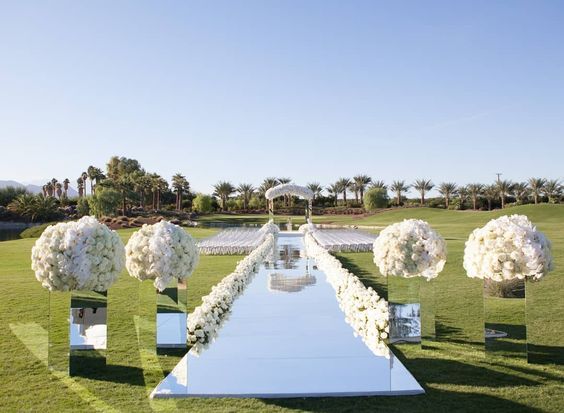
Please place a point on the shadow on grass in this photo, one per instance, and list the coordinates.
(541, 354)
(115, 374)
(434, 401)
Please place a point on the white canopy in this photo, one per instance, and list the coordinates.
(289, 189)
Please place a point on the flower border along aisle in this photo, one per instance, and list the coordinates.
(403, 252)
(77, 262)
(364, 309)
(508, 253)
(206, 320)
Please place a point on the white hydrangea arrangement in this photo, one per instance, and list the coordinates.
(410, 249)
(364, 309)
(205, 321)
(161, 252)
(78, 255)
(506, 248)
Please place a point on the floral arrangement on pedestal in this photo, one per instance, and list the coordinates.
(161, 252)
(364, 309)
(205, 321)
(506, 248)
(410, 248)
(79, 255)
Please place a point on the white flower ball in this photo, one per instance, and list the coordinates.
(78, 255)
(507, 247)
(410, 249)
(161, 252)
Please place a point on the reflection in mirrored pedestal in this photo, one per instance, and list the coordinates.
(162, 316)
(288, 341)
(505, 316)
(412, 310)
(77, 332)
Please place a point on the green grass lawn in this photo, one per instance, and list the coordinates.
(455, 373)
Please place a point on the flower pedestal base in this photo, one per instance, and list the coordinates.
(171, 316)
(162, 316)
(412, 310)
(77, 332)
(505, 327)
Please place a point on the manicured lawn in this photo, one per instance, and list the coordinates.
(455, 373)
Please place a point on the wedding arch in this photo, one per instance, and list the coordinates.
(289, 189)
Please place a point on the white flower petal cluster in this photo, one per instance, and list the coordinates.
(410, 249)
(206, 320)
(289, 189)
(308, 227)
(364, 309)
(78, 255)
(270, 228)
(161, 252)
(507, 247)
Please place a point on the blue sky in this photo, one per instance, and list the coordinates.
(312, 90)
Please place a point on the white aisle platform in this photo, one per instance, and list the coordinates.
(289, 341)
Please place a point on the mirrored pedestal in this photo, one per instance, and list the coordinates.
(77, 332)
(505, 327)
(412, 310)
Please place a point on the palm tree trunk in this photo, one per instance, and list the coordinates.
(536, 198)
(123, 200)
(502, 201)
(474, 203)
(422, 199)
(361, 195)
(489, 204)
(446, 201)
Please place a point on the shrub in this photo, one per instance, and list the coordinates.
(36, 231)
(105, 201)
(9, 193)
(36, 208)
(82, 207)
(202, 204)
(375, 198)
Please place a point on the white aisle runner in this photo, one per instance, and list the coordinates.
(287, 337)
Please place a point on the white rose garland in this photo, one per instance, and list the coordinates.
(161, 252)
(410, 249)
(291, 189)
(506, 248)
(78, 255)
(364, 309)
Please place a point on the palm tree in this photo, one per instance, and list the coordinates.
(80, 186)
(180, 185)
(344, 185)
(422, 186)
(50, 188)
(94, 174)
(267, 184)
(143, 183)
(490, 192)
(463, 195)
(84, 176)
(447, 189)
(399, 187)
(475, 190)
(504, 188)
(334, 190)
(316, 188)
(44, 190)
(66, 183)
(537, 186)
(223, 191)
(159, 185)
(246, 191)
(360, 182)
(552, 190)
(520, 191)
(379, 185)
(59, 189)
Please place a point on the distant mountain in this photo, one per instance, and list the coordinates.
(34, 189)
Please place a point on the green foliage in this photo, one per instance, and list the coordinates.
(256, 203)
(104, 202)
(82, 206)
(9, 193)
(375, 198)
(36, 231)
(202, 204)
(36, 208)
